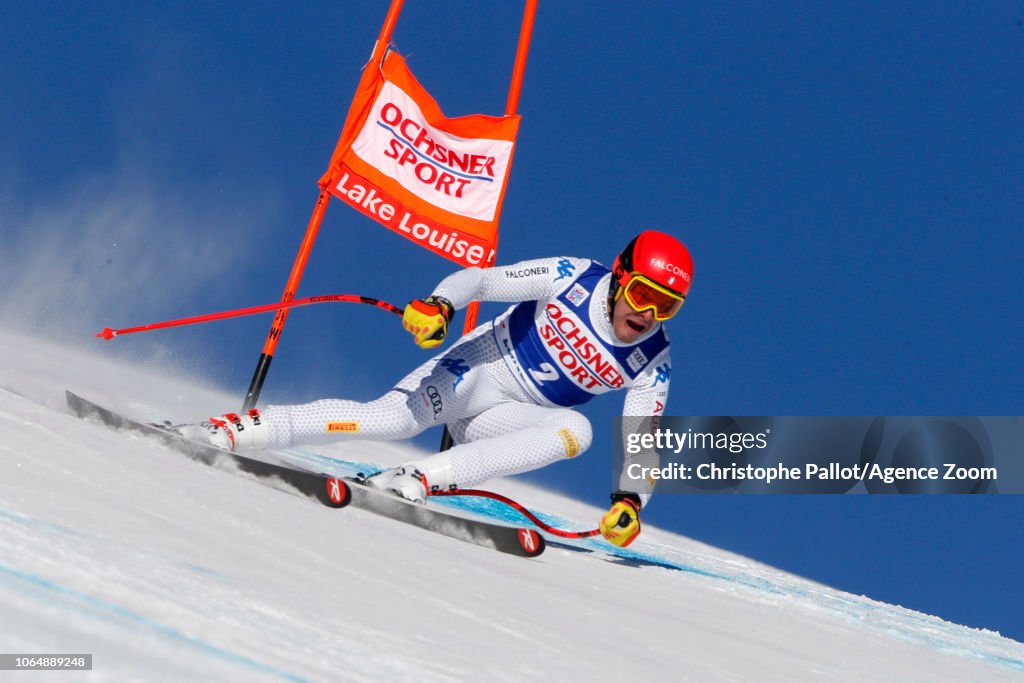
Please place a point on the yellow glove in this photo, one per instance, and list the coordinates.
(427, 320)
(621, 524)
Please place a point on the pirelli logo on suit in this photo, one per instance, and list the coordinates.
(334, 427)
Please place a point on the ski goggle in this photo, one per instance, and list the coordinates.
(643, 294)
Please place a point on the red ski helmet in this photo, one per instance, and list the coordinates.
(651, 263)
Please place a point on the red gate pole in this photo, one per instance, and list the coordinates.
(277, 327)
(525, 32)
(518, 69)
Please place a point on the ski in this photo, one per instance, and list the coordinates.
(334, 492)
(330, 491)
(507, 539)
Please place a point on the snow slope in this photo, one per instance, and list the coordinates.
(166, 570)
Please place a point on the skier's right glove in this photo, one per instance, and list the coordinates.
(621, 524)
(427, 320)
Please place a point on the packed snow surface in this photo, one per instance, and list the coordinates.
(166, 570)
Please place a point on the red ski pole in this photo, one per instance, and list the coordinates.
(108, 333)
(522, 510)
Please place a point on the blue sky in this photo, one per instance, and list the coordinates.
(848, 177)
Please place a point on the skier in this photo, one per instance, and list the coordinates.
(507, 389)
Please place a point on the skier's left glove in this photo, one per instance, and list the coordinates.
(427, 320)
(621, 524)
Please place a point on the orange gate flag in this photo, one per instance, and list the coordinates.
(435, 180)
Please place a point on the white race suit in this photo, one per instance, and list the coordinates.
(507, 389)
